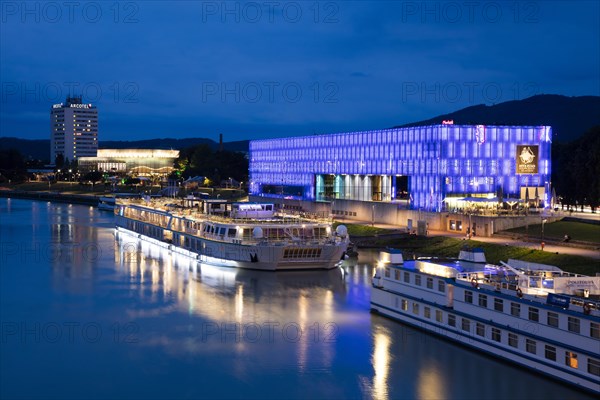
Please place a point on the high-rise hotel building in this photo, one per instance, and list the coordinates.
(74, 130)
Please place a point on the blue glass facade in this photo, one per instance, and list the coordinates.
(430, 162)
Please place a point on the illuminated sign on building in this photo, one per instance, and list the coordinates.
(81, 106)
(527, 159)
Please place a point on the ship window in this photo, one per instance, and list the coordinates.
(483, 300)
(466, 325)
(451, 320)
(553, 319)
(513, 340)
(534, 314)
(429, 283)
(571, 359)
(496, 334)
(231, 232)
(438, 315)
(530, 346)
(480, 329)
(595, 330)
(573, 324)
(222, 230)
(406, 277)
(468, 296)
(515, 309)
(550, 352)
(387, 272)
(441, 286)
(416, 308)
(498, 305)
(427, 312)
(404, 305)
(396, 275)
(594, 367)
(418, 280)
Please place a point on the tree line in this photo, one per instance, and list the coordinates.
(215, 165)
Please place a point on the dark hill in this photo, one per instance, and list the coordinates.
(570, 117)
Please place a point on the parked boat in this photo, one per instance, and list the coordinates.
(244, 235)
(535, 315)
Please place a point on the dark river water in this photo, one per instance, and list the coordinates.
(86, 314)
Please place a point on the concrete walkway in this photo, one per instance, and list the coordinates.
(503, 240)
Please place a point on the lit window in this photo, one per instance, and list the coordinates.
(571, 359)
(416, 308)
(404, 305)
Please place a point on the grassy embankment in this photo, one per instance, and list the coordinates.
(579, 231)
(440, 246)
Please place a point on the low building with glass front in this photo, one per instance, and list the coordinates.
(138, 162)
(428, 168)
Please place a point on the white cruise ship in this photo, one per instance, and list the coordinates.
(243, 235)
(535, 315)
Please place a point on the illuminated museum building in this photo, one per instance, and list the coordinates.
(424, 167)
(139, 162)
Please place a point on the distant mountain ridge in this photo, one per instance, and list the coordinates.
(570, 117)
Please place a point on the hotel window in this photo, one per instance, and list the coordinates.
(438, 315)
(552, 319)
(530, 346)
(513, 340)
(466, 325)
(496, 334)
(404, 305)
(441, 286)
(480, 329)
(468, 296)
(571, 359)
(593, 367)
(387, 272)
(498, 305)
(573, 324)
(515, 309)
(595, 330)
(451, 320)
(550, 352)
(482, 300)
(534, 314)
(406, 277)
(418, 280)
(416, 308)
(396, 275)
(429, 283)
(427, 312)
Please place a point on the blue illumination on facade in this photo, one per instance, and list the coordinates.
(435, 162)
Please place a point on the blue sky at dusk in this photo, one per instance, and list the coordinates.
(267, 69)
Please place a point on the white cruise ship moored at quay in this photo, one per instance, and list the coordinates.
(243, 235)
(535, 315)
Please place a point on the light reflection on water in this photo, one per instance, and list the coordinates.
(172, 328)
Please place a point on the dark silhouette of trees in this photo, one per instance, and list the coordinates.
(215, 165)
(576, 170)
